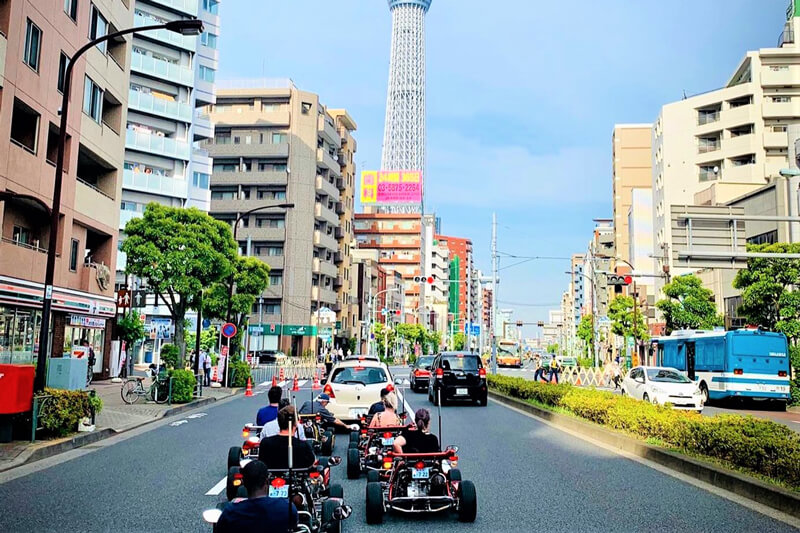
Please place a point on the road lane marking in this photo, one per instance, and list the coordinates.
(179, 422)
(218, 488)
(197, 415)
(301, 383)
(282, 384)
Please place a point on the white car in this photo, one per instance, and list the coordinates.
(663, 385)
(354, 385)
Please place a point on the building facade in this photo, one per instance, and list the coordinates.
(462, 303)
(277, 146)
(35, 46)
(632, 169)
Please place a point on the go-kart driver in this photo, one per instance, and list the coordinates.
(257, 512)
(270, 412)
(419, 440)
(272, 428)
(378, 406)
(388, 417)
(320, 407)
(274, 451)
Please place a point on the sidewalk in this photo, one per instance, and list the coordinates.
(115, 417)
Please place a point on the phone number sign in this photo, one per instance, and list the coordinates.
(391, 187)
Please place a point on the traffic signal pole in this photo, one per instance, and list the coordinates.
(494, 293)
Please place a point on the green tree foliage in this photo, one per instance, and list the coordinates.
(179, 252)
(586, 332)
(459, 341)
(621, 313)
(553, 348)
(250, 278)
(383, 336)
(130, 329)
(171, 356)
(208, 339)
(688, 305)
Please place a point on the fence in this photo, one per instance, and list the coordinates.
(303, 369)
(583, 377)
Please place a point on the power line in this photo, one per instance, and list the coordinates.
(532, 257)
(527, 305)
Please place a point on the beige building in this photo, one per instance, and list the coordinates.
(720, 145)
(35, 44)
(632, 169)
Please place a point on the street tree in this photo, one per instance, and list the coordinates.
(178, 252)
(688, 305)
(586, 332)
(208, 339)
(553, 348)
(627, 321)
(459, 341)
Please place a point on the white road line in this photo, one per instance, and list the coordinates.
(179, 422)
(300, 384)
(265, 383)
(282, 384)
(218, 488)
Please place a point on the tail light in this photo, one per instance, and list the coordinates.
(318, 418)
(245, 433)
(482, 372)
(363, 431)
(738, 371)
(420, 465)
(237, 479)
(387, 435)
(313, 475)
(278, 482)
(250, 444)
(439, 373)
(417, 373)
(387, 465)
(782, 373)
(329, 390)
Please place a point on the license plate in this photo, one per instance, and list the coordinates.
(462, 392)
(387, 442)
(357, 413)
(279, 492)
(420, 473)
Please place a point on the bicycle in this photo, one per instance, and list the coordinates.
(133, 389)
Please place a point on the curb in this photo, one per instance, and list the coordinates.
(38, 453)
(775, 497)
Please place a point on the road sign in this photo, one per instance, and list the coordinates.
(123, 298)
(228, 330)
(206, 323)
(383, 311)
(138, 299)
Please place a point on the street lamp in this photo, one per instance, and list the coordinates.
(184, 27)
(372, 315)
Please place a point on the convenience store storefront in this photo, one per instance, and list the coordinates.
(77, 316)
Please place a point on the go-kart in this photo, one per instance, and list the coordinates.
(367, 450)
(422, 483)
(323, 438)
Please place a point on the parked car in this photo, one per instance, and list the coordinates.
(270, 357)
(663, 385)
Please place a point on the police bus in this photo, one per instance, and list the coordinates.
(745, 363)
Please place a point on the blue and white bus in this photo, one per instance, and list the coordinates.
(745, 363)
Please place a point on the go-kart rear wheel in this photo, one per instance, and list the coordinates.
(328, 507)
(327, 444)
(467, 502)
(373, 476)
(455, 474)
(231, 490)
(354, 437)
(352, 446)
(353, 463)
(374, 503)
(336, 491)
(234, 456)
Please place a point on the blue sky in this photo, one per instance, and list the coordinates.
(521, 101)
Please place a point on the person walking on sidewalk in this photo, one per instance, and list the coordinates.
(205, 364)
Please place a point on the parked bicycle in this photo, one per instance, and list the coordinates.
(134, 388)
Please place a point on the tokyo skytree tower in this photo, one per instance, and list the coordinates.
(404, 131)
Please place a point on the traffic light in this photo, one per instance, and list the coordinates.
(540, 324)
(423, 279)
(613, 279)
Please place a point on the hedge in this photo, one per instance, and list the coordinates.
(183, 383)
(240, 371)
(760, 446)
(61, 413)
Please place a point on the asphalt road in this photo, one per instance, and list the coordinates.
(529, 477)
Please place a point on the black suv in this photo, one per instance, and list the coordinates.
(457, 376)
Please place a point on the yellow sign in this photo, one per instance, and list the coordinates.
(369, 186)
(391, 187)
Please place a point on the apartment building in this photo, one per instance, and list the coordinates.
(172, 81)
(347, 317)
(577, 292)
(486, 313)
(274, 144)
(717, 146)
(632, 170)
(35, 45)
(461, 294)
(438, 294)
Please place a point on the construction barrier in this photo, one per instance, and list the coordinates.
(303, 370)
(583, 377)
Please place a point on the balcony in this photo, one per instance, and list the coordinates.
(262, 234)
(203, 129)
(275, 262)
(321, 212)
(744, 114)
(339, 208)
(323, 295)
(789, 109)
(337, 282)
(147, 103)
(325, 241)
(273, 291)
(22, 260)
(125, 216)
(184, 6)
(326, 187)
(324, 267)
(325, 160)
(743, 173)
(158, 68)
(157, 145)
(96, 204)
(340, 183)
(238, 205)
(338, 232)
(775, 139)
(328, 132)
(707, 118)
(742, 144)
(273, 177)
(187, 42)
(249, 150)
(783, 76)
(338, 258)
(336, 307)
(154, 184)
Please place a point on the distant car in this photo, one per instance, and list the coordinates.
(420, 372)
(269, 357)
(663, 385)
(566, 360)
(457, 376)
(354, 385)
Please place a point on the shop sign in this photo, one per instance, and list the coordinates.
(258, 330)
(87, 321)
(305, 331)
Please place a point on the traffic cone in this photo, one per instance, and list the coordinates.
(215, 376)
(316, 385)
(274, 381)
(295, 387)
(249, 390)
(282, 378)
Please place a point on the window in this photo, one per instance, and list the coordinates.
(33, 46)
(279, 138)
(223, 195)
(207, 74)
(225, 167)
(306, 108)
(272, 195)
(749, 159)
(24, 126)
(98, 27)
(208, 39)
(92, 99)
(272, 309)
(781, 99)
(62, 71)
(738, 131)
(770, 237)
(223, 137)
(71, 9)
(21, 235)
(273, 251)
(276, 279)
(270, 222)
(709, 172)
(212, 6)
(73, 255)
(200, 180)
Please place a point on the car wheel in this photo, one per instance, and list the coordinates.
(435, 399)
(353, 463)
(354, 437)
(327, 444)
(455, 474)
(328, 508)
(467, 502)
(373, 476)
(234, 456)
(336, 491)
(374, 503)
(230, 489)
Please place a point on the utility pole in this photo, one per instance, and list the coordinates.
(495, 282)
(469, 306)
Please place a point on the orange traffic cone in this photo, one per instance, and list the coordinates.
(281, 375)
(249, 390)
(274, 381)
(316, 385)
(215, 376)
(295, 387)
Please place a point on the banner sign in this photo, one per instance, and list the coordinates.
(391, 187)
(305, 331)
(87, 321)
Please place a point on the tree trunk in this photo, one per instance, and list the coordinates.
(178, 318)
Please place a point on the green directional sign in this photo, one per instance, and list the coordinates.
(304, 331)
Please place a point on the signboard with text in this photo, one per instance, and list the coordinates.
(391, 187)
(305, 331)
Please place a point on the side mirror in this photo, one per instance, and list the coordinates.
(342, 512)
(211, 516)
(334, 460)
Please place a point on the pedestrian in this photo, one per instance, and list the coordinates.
(341, 354)
(540, 371)
(205, 364)
(616, 375)
(328, 363)
(553, 370)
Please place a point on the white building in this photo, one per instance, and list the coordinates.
(640, 234)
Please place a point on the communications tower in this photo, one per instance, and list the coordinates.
(404, 131)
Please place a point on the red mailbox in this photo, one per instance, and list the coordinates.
(16, 388)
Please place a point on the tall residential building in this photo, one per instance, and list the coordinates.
(461, 254)
(347, 317)
(172, 80)
(577, 294)
(36, 42)
(280, 145)
(632, 168)
(719, 145)
(438, 293)
(640, 233)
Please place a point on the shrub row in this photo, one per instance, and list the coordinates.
(754, 444)
(61, 414)
(240, 372)
(183, 383)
